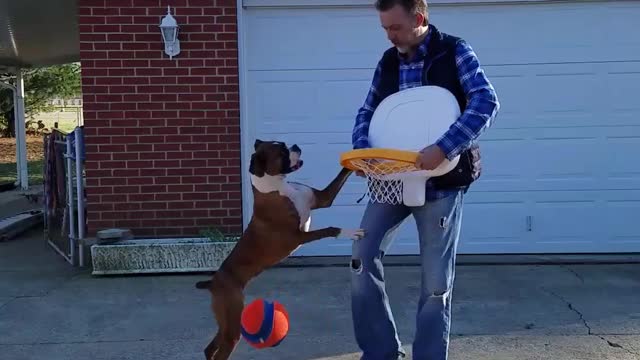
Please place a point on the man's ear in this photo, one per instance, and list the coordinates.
(257, 143)
(421, 20)
(257, 165)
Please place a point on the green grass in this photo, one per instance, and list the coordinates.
(8, 172)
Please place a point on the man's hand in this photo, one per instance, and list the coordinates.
(430, 157)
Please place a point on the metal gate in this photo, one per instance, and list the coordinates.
(64, 209)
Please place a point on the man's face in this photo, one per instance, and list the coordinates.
(401, 27)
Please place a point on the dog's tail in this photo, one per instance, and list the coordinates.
(205, 284)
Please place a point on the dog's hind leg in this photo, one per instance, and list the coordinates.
(325, 197)
(230, 334)
(211, 349)
(218, 306)
(227, 302)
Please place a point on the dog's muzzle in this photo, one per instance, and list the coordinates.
(294, 162)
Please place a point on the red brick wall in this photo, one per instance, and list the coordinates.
(162, 136)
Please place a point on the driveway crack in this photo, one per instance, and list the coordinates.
(573, 272)
(586, 324)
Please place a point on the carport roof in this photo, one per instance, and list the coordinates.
(35, 33)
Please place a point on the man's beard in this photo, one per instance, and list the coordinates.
(419, 35)
(402, 50)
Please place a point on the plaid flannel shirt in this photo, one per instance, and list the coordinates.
(482, 104)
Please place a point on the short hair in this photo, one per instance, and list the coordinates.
(411, 6)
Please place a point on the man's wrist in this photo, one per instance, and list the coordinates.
(361, 144)
(447, 147)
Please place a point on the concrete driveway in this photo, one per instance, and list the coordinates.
(50, 311)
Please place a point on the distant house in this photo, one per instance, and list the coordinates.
(75, 102)
(168, 140)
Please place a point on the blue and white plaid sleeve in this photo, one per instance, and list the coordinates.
(482, 104)
(360, 134)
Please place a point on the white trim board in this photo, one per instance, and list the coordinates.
(246, 130)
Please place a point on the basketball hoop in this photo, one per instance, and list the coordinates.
(402, 125)
(392, 176)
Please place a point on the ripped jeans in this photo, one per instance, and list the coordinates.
(438, 225)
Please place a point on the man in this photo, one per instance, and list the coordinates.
(421, 55)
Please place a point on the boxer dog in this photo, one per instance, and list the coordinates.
(279, 225)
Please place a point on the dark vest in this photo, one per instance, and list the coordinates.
(439, 70)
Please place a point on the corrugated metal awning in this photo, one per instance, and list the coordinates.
(36, 33)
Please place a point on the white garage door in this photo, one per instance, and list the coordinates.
(561, 169)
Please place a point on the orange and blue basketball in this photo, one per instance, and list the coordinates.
(264, 323)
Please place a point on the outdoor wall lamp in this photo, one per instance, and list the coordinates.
(169, 29)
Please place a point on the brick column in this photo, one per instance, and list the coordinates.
(162, 136)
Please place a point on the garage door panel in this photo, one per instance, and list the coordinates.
(562, 91)
(621, 155)
(618, 215)
(516, 106)
(623, 79)
(602, 98)
(494, 223)
(283, 103)
(577, 220)
(499, 47)
(551, 222)
(312, 101)
(572, 95)
(548, 43)
(565, 158)
(621, 208)
(498, 176)
(266, 27)
(351, 93)
(560, 159)
(620, 19)
(362, 47)
(501, 222)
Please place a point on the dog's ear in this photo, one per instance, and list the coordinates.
(257, 166)
(257, 143)
(296, 148)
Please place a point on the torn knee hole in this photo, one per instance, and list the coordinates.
(439, 293)
(356, 265)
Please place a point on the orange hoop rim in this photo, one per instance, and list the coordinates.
(402, 158)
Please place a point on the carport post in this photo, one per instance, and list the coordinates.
(21, 132)
(21, 138)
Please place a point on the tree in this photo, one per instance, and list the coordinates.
(40, 86)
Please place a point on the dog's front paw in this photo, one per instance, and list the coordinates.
(352, 234)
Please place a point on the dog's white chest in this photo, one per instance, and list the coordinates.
(300, 195)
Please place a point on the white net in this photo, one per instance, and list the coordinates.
(385, 179)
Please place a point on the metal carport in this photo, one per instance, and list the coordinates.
(34, 33)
